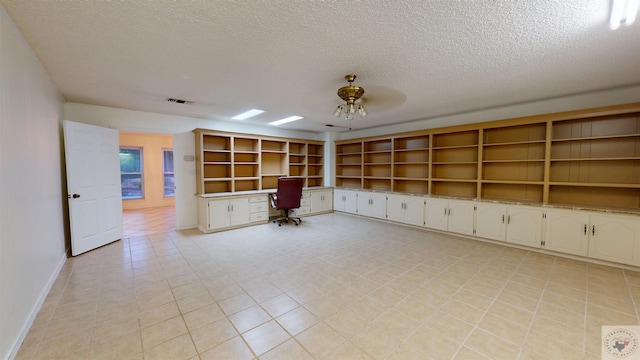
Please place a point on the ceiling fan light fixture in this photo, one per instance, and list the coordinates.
(350, 94)
(362, 111)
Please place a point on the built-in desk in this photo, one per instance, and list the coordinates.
(230, 210)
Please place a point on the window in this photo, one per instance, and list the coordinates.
(131, 173)
(167, 160)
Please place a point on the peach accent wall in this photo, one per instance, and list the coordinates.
(152, 146)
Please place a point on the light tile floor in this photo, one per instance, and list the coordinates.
(148, 221)
(335, 287)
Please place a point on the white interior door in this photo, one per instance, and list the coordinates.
(93, 185)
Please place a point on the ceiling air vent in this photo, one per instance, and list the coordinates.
(179, 101)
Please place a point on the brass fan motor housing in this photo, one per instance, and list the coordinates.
(350, 93)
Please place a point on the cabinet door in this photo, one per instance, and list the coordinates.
(378, 205)
(240, 211)
(321, 201)
(436, 213)
(219, 214)
(615, 238)
(317, 201)
(524, 225)
(350, 202)
(491, 222)
(395, 207)
(327, 200)
(338, 200)
(364, 204)
(566, 231)
(461, 216)
(414, 210)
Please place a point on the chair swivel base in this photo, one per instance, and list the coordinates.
(286, 218)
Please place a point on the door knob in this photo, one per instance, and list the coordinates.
(75, 196)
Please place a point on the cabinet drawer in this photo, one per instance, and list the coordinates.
(305, 202)
(258, 207)
(257, 199)
(302, 210)
(256, 217)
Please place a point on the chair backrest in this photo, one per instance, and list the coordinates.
(289, 192)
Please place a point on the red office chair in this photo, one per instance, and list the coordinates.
(287, 197)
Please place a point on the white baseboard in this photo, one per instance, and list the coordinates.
(36, 308)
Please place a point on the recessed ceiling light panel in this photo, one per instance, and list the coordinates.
(285, 120)
(248, 114)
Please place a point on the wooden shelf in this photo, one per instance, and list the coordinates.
(516, 182)
(455, 163)
(410, 150)
(455, 147)
(594, 184)
(510, 143)
(454, 180)
(585, 157)
(228, 162)
(513, 161)
(599, 159)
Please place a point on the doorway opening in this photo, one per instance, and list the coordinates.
(148, 197)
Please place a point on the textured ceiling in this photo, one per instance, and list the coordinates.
(415, 59)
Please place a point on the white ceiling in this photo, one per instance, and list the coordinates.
(415, 59)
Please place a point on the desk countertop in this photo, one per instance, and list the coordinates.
(256, 192)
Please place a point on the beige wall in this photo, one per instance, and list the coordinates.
(33, 215)
(152, 146)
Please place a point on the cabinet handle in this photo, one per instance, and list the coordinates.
(231, 207)
(503, 219)
(593, 230)
(508, 219)
(445, 211)
(585, 229)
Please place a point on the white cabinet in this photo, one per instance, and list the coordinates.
(435, 213)
(345, 200)
(406, 209)
(372, 204)
(610, 237)
(615, 238)
(515, 224)
(524, 225)
(461, 216)
(304, 209)
(566, 231)
(321, 201)
(225, 213)
(220, 213)
(450, 215)
(491, 221)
